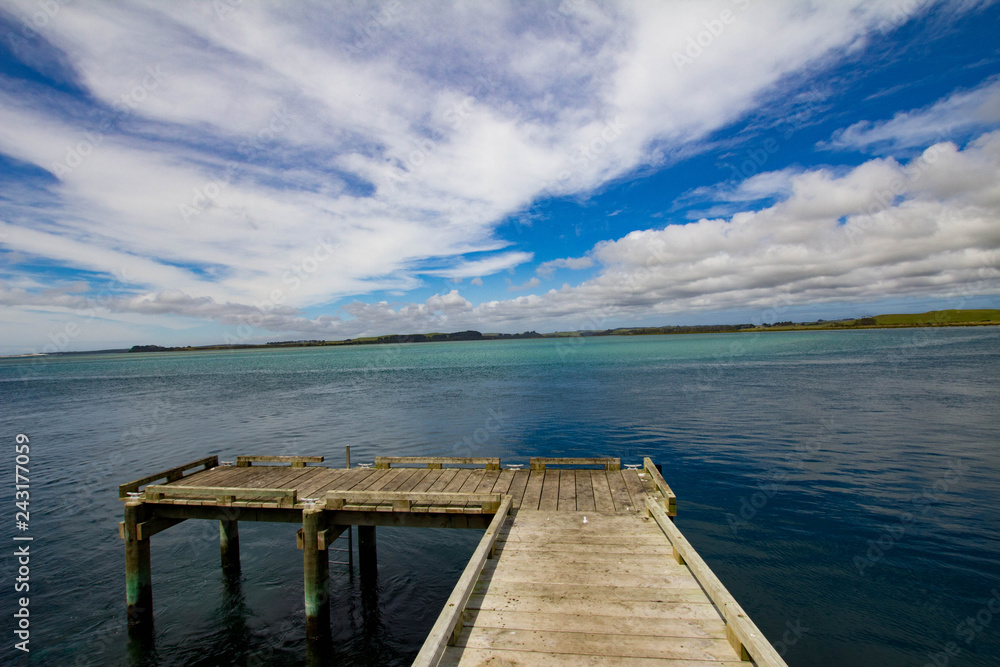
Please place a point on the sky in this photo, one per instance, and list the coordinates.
(191, 173)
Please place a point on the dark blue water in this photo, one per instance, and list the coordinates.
(843, 485)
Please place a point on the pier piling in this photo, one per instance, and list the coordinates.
(316, 567)
(138, 573)
(229, 545)
(367, 552)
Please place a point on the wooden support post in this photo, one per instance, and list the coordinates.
(316, 567)
(138, 573)
(367, 552)
(229, 544)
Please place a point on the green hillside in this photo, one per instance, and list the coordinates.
(941, 317)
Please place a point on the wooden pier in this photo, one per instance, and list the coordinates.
(580, 562)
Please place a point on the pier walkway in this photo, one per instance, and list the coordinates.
(578, 565)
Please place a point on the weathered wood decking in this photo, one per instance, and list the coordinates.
(285, 486)
(572, 588)
(577, 566)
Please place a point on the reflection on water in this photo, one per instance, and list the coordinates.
(796, 457)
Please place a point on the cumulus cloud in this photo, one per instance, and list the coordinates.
(927, 227)
(227, 160)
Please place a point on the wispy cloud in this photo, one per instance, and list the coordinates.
(548, 268)
(532, 282)
(963, 111)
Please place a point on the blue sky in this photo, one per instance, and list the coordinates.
(193, 172)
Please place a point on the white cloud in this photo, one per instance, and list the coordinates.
(532, 282)
(927, 227)
(324, 166)
(960, 112)
(482, 267)
(548, 268)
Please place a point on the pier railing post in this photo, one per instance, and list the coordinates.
(229, 546)
(138, 573)
(316, 566)
(367, 552)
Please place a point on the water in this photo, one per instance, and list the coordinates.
(843, 485)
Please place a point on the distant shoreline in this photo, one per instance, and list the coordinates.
(938, 318)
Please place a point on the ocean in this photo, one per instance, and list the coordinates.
(843, 485)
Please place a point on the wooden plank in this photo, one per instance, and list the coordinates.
(609, 463)
(443, 480)
(290, 477)
(541, 537)
(669, 498)
(389, 480)
(146, 529)
(583, 644)
(585, 491)
(550, 491)
(541, 596)
(459, 480)
(169, 475)
(261, 477)
(567, 491)
(552, 567)
(573, 547)
(533, 490)
(405, 480)
(472, 483)
(504, 479)
(297, 461)
(365, 479)
(557, 527)
(648, 485)
(603, 502)
(635, 490)
(619, 492)
(379, 480)
(518, 486)
(335, 500)
(491, 462)
(255, 477)
(623, 523)
(488, 480)
(425, 482)
(217, 476)
(317, 486)
(658, 563)
(456, 656)
(156, 492)
(449, 622)
(745, 635)
(553, 574)
(587, 620)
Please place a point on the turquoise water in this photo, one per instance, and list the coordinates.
(843, 485)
